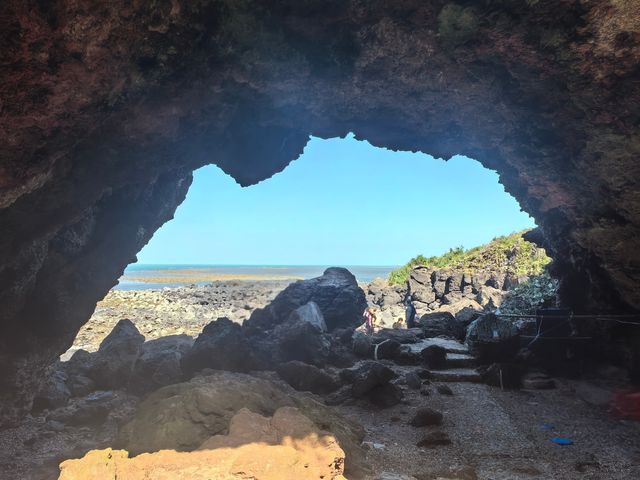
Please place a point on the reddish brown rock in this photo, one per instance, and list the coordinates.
(287, 446)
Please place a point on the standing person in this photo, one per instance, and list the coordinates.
(369, 320)
(410, 312)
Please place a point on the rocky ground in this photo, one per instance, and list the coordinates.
(174, 311)
(287, 382)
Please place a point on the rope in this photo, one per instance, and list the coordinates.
(375, 350)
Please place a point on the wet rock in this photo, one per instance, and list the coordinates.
(491, 338)
(426, 417)
(336, 293)
(112, 365)
(434, 356)
(307, 378)
(441, 324)
(220, 346)
(159, 363)
(434, 439)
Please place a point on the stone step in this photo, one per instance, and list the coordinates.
(456, 375)
(461, 360)
(451, 346)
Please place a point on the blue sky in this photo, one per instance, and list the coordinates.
(343, 202)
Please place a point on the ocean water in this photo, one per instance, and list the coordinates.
(147, 276)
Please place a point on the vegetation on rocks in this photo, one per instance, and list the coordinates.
(511, 254)
(525, 299)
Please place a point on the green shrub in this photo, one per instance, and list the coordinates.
(539, 291)
(509, 254)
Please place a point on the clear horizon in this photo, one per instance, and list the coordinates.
(343, 202)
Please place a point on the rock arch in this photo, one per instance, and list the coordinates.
(106, 109)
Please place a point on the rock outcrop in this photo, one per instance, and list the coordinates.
(287, 446)
(107, 111)
(183, 416)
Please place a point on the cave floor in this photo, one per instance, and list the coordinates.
(499, 435)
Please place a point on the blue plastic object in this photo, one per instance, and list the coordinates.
(562, 441)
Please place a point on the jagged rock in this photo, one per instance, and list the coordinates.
(387, 349)
(309, 312)
(362, 344)
(336, 293)
(299, 340)
(159, 363)
(371, 380)
(491, 338)
(55, 392)
(307, 378)
(221, 346)
(468, 314)
(489, 297)
(441, 324)
(182, 416)
(111, 367)
(92, 410)
(434, 356)
(434, 439)
(256, 447)
(426, 416)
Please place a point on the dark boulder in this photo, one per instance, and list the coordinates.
(310, 313)
(362, 345)
(387, 349)
(401, 335)
(220, 346)
(441, 324)
(434, 439)
(503, 375)
(426, 417)
(371, 380)
(159, 363)
(492, 339)
(298, 339)
(336, 293)
(112, 365)
(54, 392)
(307, 378)
(412, 380)
(434, 356)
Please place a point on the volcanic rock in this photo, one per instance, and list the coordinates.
(426, 416)
(441, 324)
(221, 345)
(307, 378)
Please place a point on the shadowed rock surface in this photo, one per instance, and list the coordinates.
(107, 110)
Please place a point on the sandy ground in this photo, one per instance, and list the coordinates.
(501, 435)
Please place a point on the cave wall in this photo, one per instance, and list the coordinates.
(107, 107)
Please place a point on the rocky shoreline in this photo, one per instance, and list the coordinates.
(160, 393)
